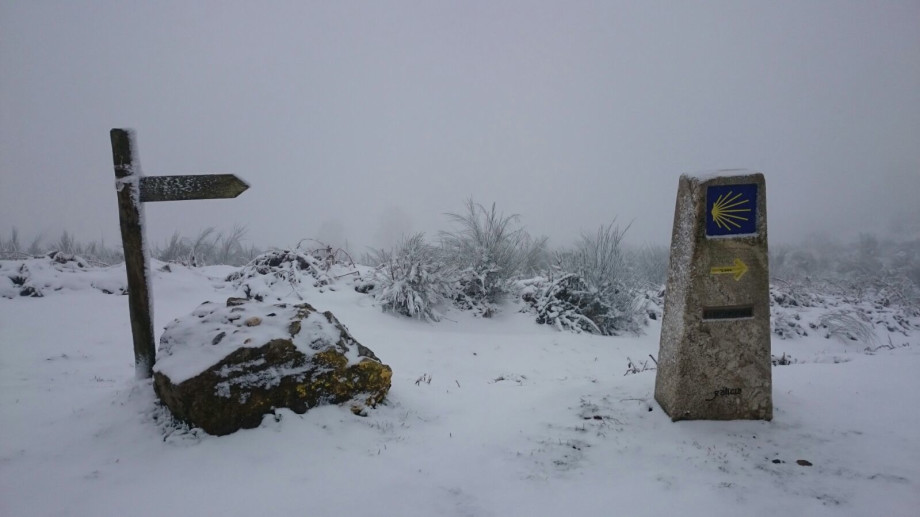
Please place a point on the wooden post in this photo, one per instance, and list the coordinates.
(130, 215)
(133, 189)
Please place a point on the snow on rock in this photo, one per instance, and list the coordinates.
(225, 366)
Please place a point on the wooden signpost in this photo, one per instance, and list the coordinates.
(133, 189)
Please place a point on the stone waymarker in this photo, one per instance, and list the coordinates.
(133, 189)
(714, 356)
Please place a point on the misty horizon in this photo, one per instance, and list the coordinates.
(365, 122)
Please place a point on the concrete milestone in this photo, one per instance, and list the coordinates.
(714, 356)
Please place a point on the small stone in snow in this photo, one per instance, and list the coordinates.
(804, 463)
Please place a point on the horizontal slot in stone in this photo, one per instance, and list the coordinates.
(728, 313)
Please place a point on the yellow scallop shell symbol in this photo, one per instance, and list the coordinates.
(727, 211)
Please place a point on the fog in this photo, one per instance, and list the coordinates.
(360, 121)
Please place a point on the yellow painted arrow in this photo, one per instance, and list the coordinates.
(739, 269)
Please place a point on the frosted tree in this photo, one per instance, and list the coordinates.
(487, 249)
(412, 279)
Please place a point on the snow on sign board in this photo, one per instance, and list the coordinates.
(183, 188)
(133, 189)
(714, 356)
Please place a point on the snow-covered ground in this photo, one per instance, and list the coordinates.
(486, 417)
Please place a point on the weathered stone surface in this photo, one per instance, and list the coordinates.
(714, 357)
(219, 371)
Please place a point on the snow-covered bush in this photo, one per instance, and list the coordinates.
(285, 269)
(94, 253)
(886, 270)
(565, 303)
(536, 257)
(794, 293)
(411, 279)
(487, 249)
(11, 245)
(281, 273)
(599, 262)
(787, 325)
(590, 289)
(650, 264)
(57, 272)
(848, 325)
(329, 257)
(209, 247)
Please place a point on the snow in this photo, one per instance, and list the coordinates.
(486, 417)
(706, 175)
(43, 277)
(191, 345)
(731, 236)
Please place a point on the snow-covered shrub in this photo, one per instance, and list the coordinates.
(906, 261)
(536, 258)
(411, 279)
(286, 269)
(209, 247)
(894, 288)
(565, 303)
(650, 264)
(847, 325)
(782, 360)
(280, 273)
(634, 367)
(57, 272)
(787, 325)
(11, 245)
(794, 293)
(487, 249)
(599, 262)
(277, 274)
(176, 250)
(329, 258)
(94, 253)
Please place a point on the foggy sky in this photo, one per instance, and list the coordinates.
(364, 120)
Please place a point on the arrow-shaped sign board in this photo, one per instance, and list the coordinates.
(133, 189)
(182, 188)
(738, 270)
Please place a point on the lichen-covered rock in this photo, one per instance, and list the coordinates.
(224, 367)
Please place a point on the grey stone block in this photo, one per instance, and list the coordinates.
(714, 356)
